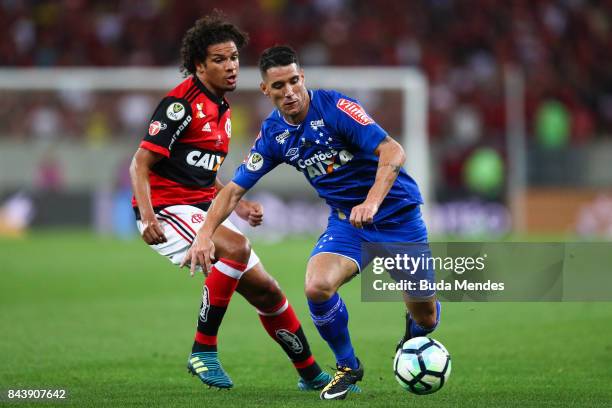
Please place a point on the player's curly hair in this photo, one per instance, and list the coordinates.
(277, 56)
(209, 30)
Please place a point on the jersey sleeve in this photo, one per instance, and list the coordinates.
(169, 121)
(355, 124)
(261, 160)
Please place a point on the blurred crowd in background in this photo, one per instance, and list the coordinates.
(562, 47)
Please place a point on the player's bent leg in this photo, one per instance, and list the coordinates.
(259, 288)
(231, 245)
(422, 318)
(281, 323)
(233, 252)
(232, 256)
(180, 223)
(325, 273)
(424, 314)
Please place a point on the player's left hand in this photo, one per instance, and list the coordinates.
(363, 214)
(250, 211)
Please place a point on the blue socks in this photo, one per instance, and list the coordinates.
(418, 331)
(331, 319)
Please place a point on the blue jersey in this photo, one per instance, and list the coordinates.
(334, 148)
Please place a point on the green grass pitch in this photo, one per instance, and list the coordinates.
(112, 323)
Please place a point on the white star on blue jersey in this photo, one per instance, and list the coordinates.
(324, 240)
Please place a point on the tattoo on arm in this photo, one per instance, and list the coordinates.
(394, 162)
(395, 167)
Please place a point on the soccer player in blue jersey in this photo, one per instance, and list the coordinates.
(358, 169)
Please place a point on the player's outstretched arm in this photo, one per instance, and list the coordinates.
(141, 165)
(391, 158)
(202, 251)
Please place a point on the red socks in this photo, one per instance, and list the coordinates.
(283, 326)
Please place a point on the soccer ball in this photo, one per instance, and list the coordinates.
(422, 365)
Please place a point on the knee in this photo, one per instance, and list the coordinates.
(239, 249)
(319, 290)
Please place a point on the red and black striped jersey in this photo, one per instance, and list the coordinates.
(191, 128)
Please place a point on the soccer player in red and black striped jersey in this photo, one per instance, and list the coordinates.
(174, 178)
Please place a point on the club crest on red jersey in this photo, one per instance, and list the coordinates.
(197, 218)
(355, 111)
(228, 128)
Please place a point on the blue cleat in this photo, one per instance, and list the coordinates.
(316, 383)
(320, 381)
(207, 367)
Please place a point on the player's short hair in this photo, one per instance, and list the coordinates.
(209, 30)
(277, 56)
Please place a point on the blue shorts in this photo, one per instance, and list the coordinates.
(343, 239)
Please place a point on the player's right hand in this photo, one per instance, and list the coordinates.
(202, 252)
(153, 233)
